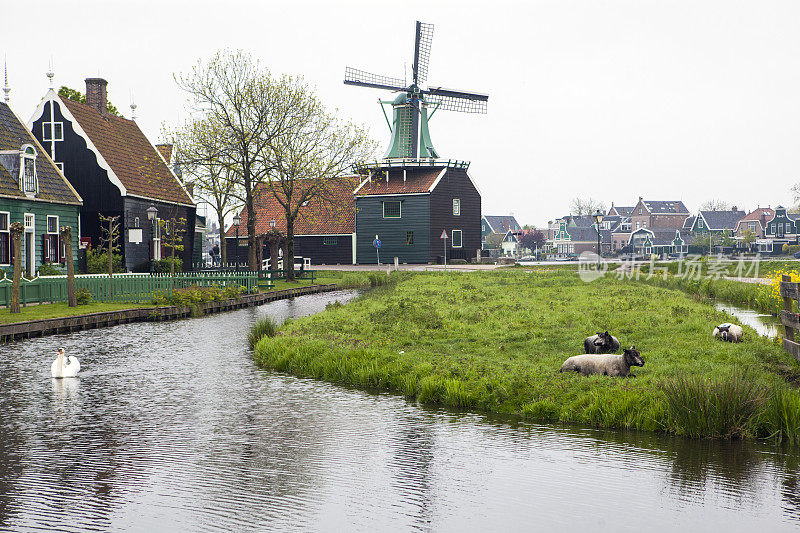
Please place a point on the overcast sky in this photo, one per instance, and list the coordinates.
(668, 100)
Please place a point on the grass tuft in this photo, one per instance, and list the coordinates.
(264, 327)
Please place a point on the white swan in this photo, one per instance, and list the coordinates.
(65, 367)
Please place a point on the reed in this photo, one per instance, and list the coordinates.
(264, 327)
(720, 407)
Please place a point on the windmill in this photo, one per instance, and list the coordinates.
(410, 136)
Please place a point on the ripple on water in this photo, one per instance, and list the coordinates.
(171, 427)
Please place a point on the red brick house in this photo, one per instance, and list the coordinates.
(658, 214)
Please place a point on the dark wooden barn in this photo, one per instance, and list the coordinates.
(117, 172)
(408, 207)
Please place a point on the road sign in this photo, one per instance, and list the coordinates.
(444, 234)
(376, 243)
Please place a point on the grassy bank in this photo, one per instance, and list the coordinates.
(493, 341)
(60, 310)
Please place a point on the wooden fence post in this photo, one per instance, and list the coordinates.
(790, 319)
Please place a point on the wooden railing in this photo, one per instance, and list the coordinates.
(790, 291)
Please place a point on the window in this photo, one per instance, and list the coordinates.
(700, 224)
(50, 247)
(28, 170)
(53, 131)
(409, 238)
(60, 166)
(5, 239)
(157, 239)
(456, 238)
(52, 224)
(456, 206)
(330, 241)
(788, 228)
(751, 226)
(135, 222)
(30, 222)
(391, 209)
(483, 227)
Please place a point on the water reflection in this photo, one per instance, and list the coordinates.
(171, 426)
(765, 325)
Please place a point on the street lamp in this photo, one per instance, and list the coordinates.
(236, 221)
(598, 218)
(152, 213)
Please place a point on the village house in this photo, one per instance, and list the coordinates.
(755, 221)
(780, 229)
(717, 222)
(658, 214)
(410, 205)
(658, 241)
(324, 231)
(574, 237)
(117, 172)
(35, 193)
(497, 225)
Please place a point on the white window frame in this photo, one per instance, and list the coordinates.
(156, 240)
(7, 216)
(48, 225)
(23, 157)
(32, 227)
(456, 207)
(52, 125)
(59, 166)
(788, 227)
(400, 203)
(460, 238)
(136, 222)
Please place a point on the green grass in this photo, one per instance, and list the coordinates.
(493, 341)
(59, 310)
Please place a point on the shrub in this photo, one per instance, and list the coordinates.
(162, 266)
(50, 269)
(791, 249)
(83, 296)
(265, 327)
(97, 262)
(458, 262)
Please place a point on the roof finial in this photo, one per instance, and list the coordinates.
(133, 107)
(6, 88)
(50, 72)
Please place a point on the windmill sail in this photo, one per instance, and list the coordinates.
(422, 51)
(362, 78)
(457, 100)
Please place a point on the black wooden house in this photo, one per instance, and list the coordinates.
(117, 171)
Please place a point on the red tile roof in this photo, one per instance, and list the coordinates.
(133, 159)
(758, 213)
(332, 215)
(416, 181)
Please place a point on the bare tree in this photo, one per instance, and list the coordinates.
(17, 229)
(201, 147)
(66, 238)
(109, 238)
(586, 206)
(251, 108)
(715, 205)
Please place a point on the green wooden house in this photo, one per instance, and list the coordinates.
(34, 192)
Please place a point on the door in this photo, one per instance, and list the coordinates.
(30, 255)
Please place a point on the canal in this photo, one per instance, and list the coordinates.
(171, 427)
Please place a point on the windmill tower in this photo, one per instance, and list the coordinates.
(414, 106)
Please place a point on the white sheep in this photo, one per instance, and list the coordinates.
(728, 332)
(604, 364)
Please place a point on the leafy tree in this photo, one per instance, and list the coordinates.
(66, 238)
(109, 238)
(749, 236)
(77, 96)
(493, 240)
(172, 231)
(272, 131)
(586, 206)
(17, 230)
(532, 240)
(201, 151)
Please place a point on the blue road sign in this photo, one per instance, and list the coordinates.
(376, 243)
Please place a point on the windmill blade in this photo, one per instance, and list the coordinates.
(422, 51)
(362, 78)
(453, 100)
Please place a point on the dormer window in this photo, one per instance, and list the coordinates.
(27, 170)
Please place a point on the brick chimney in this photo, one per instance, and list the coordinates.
(96, 94)
(166, 151)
